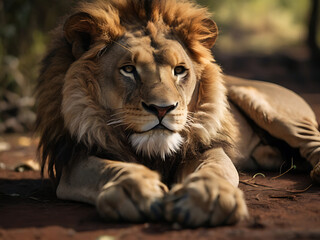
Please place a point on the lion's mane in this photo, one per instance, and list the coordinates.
(62, 140)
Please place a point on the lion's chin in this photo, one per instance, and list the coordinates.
(156, 143)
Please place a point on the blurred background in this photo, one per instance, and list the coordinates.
(274, 40)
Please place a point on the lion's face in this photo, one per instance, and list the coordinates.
(148, 84)
(126, 77)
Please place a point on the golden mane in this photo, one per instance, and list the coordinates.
(105, 22)
(189, 22)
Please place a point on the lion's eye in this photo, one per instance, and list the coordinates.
(128, 69)
(179, 70)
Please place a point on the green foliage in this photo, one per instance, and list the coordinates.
(259, 26)
(24, 26)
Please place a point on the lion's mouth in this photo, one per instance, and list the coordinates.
(157, 128)
(160, 127)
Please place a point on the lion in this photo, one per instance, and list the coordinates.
(137, 118)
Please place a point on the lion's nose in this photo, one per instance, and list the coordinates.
(159, 111)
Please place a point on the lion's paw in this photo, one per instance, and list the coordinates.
(134, 197)
(205, 200)
(315, 173)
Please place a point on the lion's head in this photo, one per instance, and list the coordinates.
(131, 79)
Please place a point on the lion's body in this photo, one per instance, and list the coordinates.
(130, 101)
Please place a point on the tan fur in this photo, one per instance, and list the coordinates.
(98, 121)
(83, 91)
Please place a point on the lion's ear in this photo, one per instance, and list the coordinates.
(210, 33)
(80, 31)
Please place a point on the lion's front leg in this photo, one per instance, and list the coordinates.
(209, 196)
(120, 191)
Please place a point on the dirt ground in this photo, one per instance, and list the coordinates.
(279, 208)
(286, 207)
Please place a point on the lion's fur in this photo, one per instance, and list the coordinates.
(130, 101)
(71, 119)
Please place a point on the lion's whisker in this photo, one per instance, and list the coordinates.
(117, 114)
(129, 126)
(109, 123)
